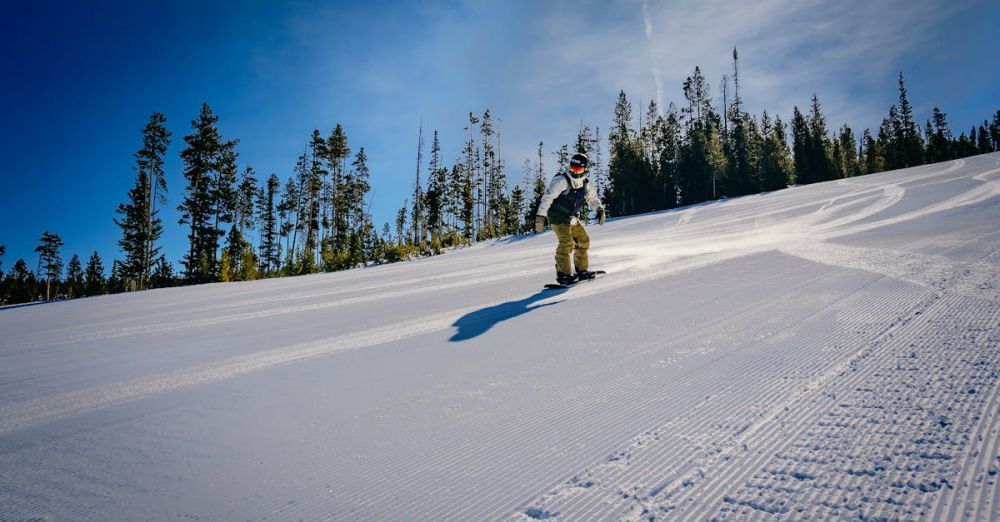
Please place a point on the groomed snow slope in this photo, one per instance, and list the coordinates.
(827, 351)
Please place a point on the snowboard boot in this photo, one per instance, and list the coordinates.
(584, 275)
(565, 279)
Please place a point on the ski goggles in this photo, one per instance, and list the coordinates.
(577, 169)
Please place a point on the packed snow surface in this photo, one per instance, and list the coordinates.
(829, 351)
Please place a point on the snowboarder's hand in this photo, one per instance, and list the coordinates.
(539, 224)
(600, 216)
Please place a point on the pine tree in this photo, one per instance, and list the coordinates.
(963, 147)
(983, 141)
(872, 156)
(527, 185)
(301, 176)
(163, 274)
(562, 158)
(650, 136)
(338, 154)
(740, 177)
(287, 217)
(93, 277)
(498, 185)
(775, 162)
(887, 139)
(270, 239)
(905, 148)
(468, 211)
(471, 174)
(995, 131)
(225, 194)
(140, 226)
(514, 208)
(669, 157)
(401, 236)
(360, 185)
(702, 161)
(417, 216)
(537, 185)
(74, 277)
(133, 224)
(837, 159)
(821, 150)
(150, 159)
(585, 141)
(802, 149)
(626, 165)
(238, 262)
(534, 180)
(208, 162)
(696, 92)
(758, 136)
(436, 191)
(116, 280)
(246, 195)
(314, 172)
(598, 172)
(49, 260)
(621, 126)
(386, 234)
(20, 284)
(848, 145)
(939, 138)
(453, 196)
(494, 180)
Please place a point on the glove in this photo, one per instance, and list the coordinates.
(539, 224)
(601, 216)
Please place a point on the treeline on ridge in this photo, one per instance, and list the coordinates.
(317, 218)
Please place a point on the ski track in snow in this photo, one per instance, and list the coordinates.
(867, 390)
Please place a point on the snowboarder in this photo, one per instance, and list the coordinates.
(568, 193)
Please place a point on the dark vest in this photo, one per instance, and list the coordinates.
(569, 204)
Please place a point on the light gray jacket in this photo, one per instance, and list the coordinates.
(562, 182)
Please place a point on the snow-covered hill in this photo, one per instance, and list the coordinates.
(827, 351)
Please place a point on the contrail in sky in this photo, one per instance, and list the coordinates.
(648, 23)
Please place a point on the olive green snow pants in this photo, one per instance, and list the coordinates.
(573, 239)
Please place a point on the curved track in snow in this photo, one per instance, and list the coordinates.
(825, 351)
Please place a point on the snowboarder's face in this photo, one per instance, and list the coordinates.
(577, 170)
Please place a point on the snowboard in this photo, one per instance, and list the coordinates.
(597, 274)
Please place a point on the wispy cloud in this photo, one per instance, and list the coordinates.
(848, 52)
(655, 65)
(543, 67)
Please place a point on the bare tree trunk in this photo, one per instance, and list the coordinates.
(149, 232)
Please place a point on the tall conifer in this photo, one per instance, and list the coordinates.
(156, 140)
(270, 238)
(49, 260)
(802, 148)
(74, 277)
(208, 162)
(141, 227)
(93, 276)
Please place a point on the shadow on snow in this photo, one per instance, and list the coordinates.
(474, 324)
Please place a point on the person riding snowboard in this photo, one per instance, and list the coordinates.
(568, 193)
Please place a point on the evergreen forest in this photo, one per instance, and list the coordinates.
(243, 225)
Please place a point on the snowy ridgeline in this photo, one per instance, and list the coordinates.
(828, 351)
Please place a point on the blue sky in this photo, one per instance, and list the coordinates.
(81, 79)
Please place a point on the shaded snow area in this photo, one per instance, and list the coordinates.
(829, 351)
